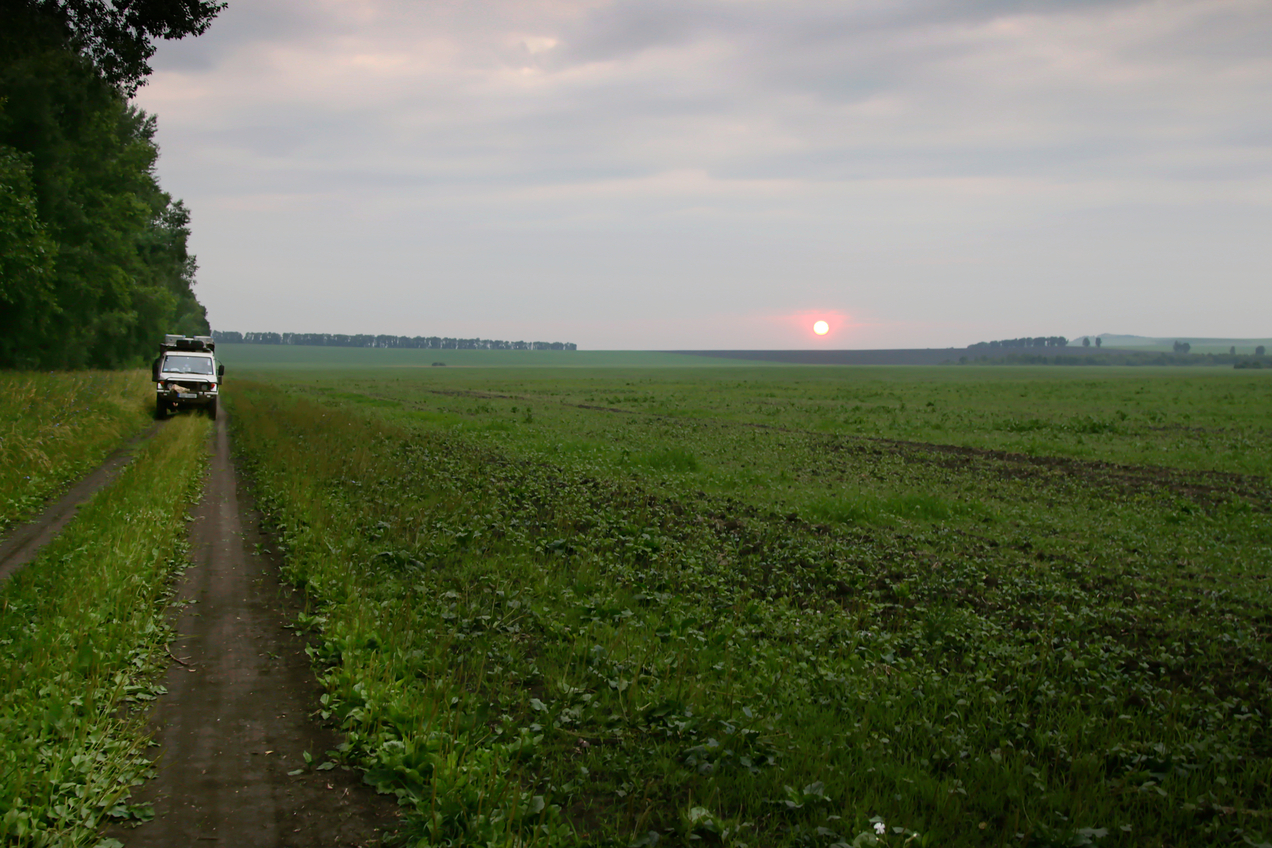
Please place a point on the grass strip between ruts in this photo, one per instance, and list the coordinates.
(82, 634)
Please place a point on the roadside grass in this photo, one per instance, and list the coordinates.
(82, 636)
(55, 427)
(561, 631)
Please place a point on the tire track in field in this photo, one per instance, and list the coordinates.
(235, 721)
(26, 540)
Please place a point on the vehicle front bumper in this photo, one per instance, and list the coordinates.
(176, 394)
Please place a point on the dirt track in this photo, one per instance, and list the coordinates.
(25, 541)
(236, 720)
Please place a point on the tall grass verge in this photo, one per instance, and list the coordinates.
(82, 633)
(55, 427)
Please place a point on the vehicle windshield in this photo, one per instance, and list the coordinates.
(177, 364)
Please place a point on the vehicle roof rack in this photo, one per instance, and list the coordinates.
(188, 343)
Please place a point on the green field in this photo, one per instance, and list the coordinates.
(258, 357)
(774, 605)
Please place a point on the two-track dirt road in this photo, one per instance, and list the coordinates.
(22, 544)
(236, 718)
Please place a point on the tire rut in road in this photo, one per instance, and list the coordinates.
(236, 720)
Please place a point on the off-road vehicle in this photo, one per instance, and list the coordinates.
(186, 374)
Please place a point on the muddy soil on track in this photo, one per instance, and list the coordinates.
(236, 718)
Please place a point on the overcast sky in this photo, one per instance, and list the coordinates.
(661, 174)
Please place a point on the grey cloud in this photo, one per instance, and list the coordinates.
(1222, 38)
(911, 159)
(239, 26)
(621, 29)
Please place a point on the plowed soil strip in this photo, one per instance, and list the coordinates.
(21, 546)
(236, 720)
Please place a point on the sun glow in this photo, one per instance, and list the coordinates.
(821, 328)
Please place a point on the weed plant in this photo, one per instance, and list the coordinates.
(56, 427)
(82, 635)
(575, 625)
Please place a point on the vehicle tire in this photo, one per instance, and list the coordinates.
(212, 409)
(160, 412)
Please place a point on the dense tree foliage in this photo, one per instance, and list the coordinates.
(94, 267)
(117, 36)
(420, 342)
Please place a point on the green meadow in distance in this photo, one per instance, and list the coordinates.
(255, 356)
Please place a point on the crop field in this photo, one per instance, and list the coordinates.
(786, 606)
(317, 358)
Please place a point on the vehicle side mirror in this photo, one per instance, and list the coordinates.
(154, 371)
(220, 370)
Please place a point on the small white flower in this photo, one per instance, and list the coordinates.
(881, 828)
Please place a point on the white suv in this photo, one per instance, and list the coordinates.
(186, 374)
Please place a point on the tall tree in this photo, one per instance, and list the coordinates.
(93, 251)
(26, 260)
(117, 36)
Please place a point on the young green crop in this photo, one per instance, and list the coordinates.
(595, 625)
(82, 633)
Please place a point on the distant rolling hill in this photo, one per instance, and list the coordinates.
(1199, 344)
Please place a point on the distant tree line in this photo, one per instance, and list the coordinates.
(419, 342)
(94, 264)
(1118, 357)
(1031, 341)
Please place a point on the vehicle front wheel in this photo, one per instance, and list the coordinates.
(160, 412)
(212, 409)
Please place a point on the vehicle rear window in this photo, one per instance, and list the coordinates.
(177, 364)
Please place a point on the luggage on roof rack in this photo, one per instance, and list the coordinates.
(190, 343)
